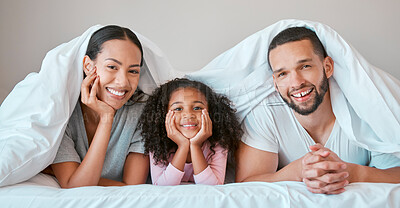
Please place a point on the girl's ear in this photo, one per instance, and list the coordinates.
(328, 65)
(88, 64)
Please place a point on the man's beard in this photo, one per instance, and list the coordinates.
(319, 97)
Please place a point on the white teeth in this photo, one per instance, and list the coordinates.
(191, 125)
(302, 94)
(115, 92)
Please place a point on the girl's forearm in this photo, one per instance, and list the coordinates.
(180, 156)
(198, 161)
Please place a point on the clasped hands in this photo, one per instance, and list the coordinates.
(323, 171)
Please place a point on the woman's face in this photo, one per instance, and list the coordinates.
(118, 67)
(187, 104)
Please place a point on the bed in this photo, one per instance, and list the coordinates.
(43, 191)
(28, 144)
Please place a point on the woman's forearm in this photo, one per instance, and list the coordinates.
(89, 171)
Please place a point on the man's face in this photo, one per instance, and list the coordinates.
(300, 76)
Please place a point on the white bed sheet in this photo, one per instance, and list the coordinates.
(43, 191)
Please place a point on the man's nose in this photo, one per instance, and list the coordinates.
(296, 79)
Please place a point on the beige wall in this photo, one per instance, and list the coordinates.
(191, 33)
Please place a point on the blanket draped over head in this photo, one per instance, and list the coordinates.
(34, 115)
(365, 99)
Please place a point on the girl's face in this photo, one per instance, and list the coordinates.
(187, 104)
(118, 67)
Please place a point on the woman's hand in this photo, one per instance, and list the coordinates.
(172, 132)
(89, 96)
(205, 131)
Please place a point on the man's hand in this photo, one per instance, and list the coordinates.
(323, 171)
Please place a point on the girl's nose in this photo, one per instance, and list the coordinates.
(188, 114)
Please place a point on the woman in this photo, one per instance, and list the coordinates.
(101, 145)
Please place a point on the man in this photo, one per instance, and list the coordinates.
(293, 134)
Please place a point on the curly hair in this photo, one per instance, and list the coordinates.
(226, 129)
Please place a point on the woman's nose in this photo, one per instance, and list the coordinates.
(122, 78)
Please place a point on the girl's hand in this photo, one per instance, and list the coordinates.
(89, 96)
(205, 131)
(172, 132)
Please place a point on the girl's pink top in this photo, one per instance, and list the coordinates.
(214, 174)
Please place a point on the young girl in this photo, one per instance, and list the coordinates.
(100, 144)
(188, 130)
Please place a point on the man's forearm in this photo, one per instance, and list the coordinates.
(291, 172)
(359, 173)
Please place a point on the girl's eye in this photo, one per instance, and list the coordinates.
(197, 108)
(134, 71)
(306, 66)
(177, 109)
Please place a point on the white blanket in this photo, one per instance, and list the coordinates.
(34, 115)
(41, 191)
(365, 99)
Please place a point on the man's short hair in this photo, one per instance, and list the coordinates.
(296, 34)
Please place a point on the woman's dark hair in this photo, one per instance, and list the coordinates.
(226, 129)
(111, 32)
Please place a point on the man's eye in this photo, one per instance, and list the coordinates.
(282, 74)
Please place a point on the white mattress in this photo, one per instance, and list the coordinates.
(43, 191)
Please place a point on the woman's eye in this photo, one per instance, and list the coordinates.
(134, 71)
(112, 67)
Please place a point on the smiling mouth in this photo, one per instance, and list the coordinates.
(116, 92)
(302, 94)
(189, 125)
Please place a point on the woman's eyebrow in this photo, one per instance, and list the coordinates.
(115, 60)
(134, 65)
(120, 63)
